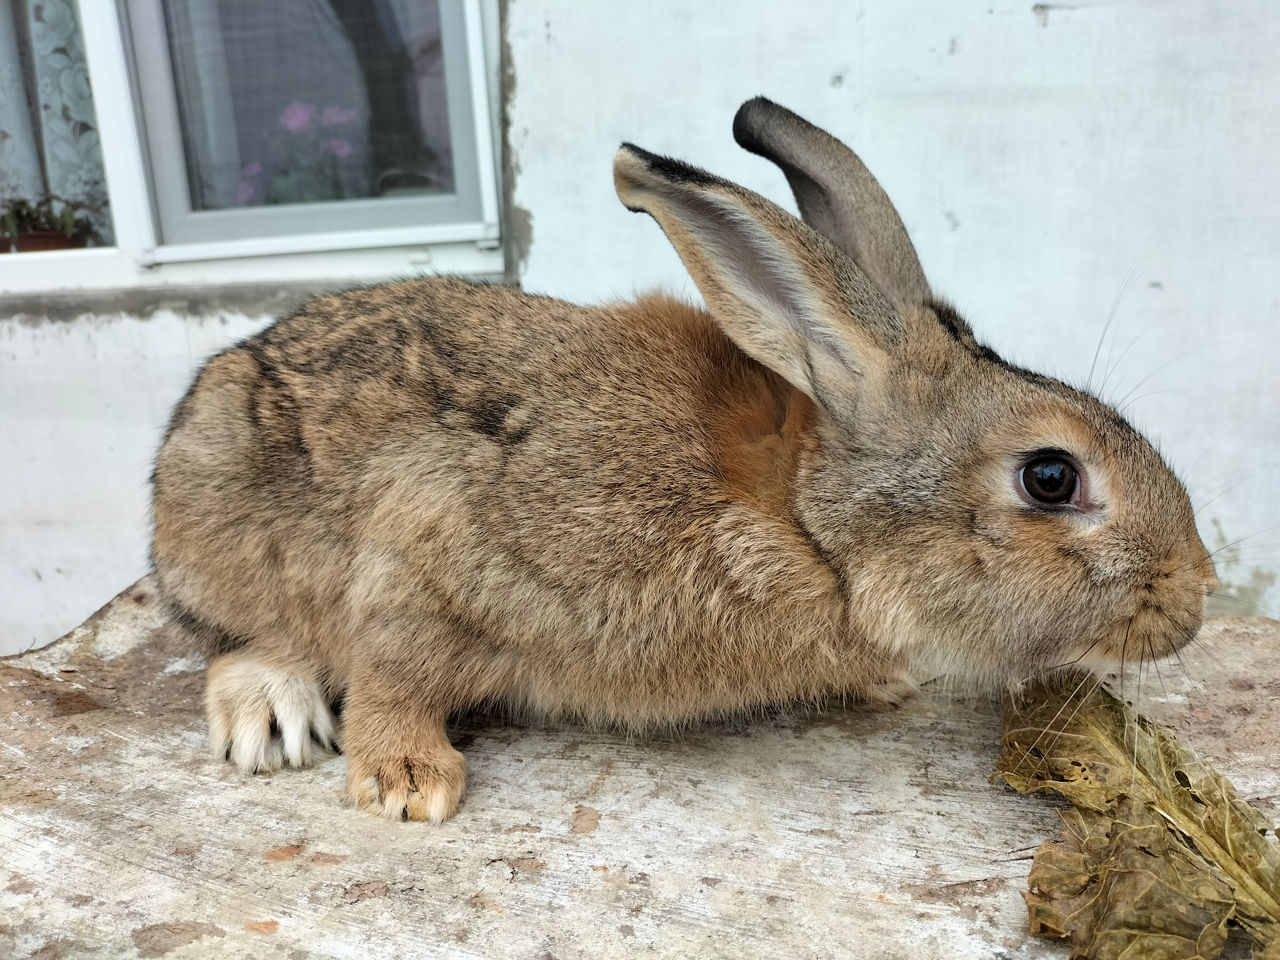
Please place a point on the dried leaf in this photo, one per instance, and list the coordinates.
(1158, 853)
(1125, 887)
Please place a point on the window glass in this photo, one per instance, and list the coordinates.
(52, 183)
(309, 101)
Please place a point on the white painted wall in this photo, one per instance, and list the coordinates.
(1049, 161)
(83, 405)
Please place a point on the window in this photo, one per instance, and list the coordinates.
(50, 156)
(240, 139)
(298, 116)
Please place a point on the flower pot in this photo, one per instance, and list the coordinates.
(44, 240)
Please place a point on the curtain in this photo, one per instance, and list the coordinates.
(48, 129)
(202, 75)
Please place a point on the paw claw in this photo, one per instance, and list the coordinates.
(417, 808)
(394, 805)
(262, 718)
(365, 794)
(411, 788)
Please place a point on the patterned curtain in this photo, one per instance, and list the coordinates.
(48, 129)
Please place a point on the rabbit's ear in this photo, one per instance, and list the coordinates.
(784, 294)
(837, 196)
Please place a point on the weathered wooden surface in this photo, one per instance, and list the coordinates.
(845, 833)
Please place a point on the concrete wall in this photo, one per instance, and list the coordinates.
(1056, 165)
(83, 403)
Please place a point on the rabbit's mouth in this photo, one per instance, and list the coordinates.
(1158, 618)
(1152, 632)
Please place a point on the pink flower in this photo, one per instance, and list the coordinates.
(336, 116)
(339, 148)
(297, 116)
(246, 188)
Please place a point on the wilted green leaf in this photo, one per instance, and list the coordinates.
(1159, 852)
(1270, 950)
(1125, 887)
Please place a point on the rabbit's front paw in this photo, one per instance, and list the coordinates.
(262, 717)
(400, 763)
(426, 786)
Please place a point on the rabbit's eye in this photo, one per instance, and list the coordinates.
(1049, 479)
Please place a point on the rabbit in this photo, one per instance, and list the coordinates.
(415, 498)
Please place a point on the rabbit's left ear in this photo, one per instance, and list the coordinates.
(784, 294)
(837, 196)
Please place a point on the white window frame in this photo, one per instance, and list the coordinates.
(138, 259)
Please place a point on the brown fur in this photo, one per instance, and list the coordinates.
(427, 495)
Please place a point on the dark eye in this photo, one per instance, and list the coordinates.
(1049, 479)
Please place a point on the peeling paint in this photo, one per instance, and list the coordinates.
(524, 865)
(284, 853)
(517, 227)
(74, 702)
(185, 665)
(159, 938)
(521, 232)
(60, 949)
(144, 304)
(326, 859)
(1242, 595)
(1041, 11)
(366, 890)
(1244, 589)
(585, 819)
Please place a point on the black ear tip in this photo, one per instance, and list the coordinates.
(750, 118)
(670, 168)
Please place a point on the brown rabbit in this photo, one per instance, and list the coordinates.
(427, 495)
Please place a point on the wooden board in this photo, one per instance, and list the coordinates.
(842, 833)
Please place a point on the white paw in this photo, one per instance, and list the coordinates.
(263, 717)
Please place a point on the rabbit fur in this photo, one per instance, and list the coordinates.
(422, 496)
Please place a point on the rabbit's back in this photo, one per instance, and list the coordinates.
(565, 481)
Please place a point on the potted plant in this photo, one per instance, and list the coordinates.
(50, 223)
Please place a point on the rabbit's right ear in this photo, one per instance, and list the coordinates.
(837, 196)
(784, 294)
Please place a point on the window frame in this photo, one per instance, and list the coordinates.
(140, 259)
(179, 224)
